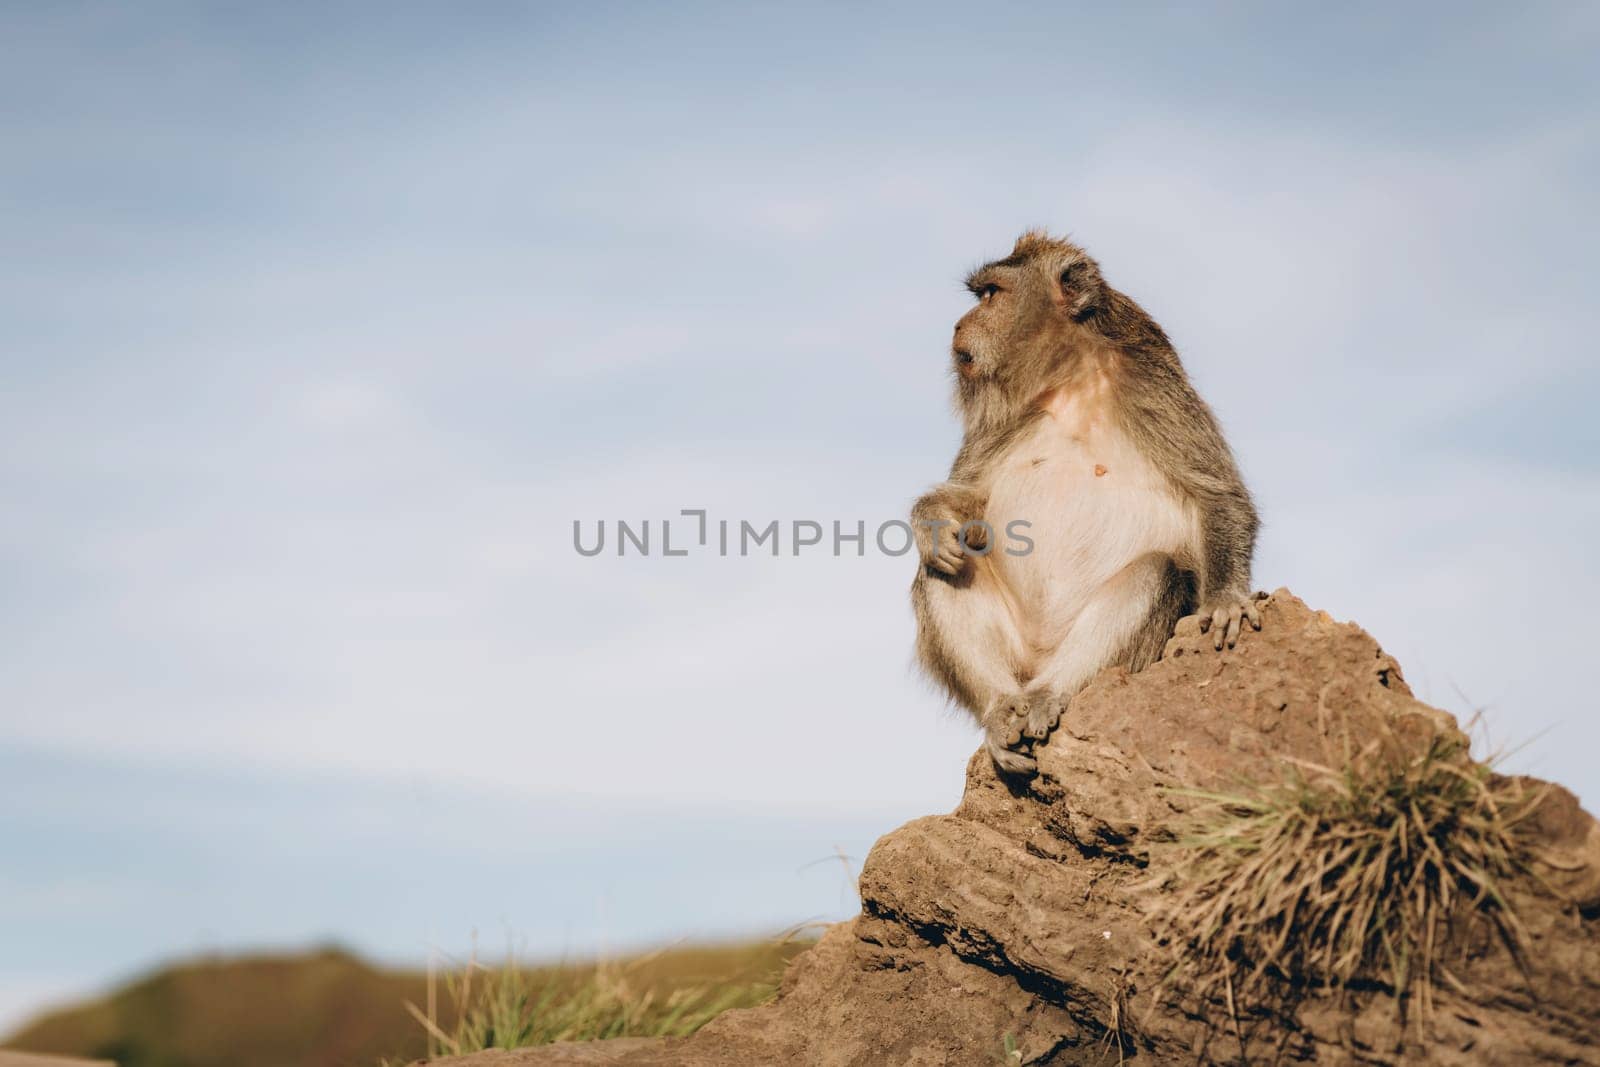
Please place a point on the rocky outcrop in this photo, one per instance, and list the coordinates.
(1019, 927)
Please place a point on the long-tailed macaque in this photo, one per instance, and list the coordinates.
(1080, 422)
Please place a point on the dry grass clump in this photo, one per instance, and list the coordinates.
(509, 1006)
(1359, 874)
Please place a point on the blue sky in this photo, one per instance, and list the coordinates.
(319, 326)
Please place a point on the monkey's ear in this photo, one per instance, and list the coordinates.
(1079, 288)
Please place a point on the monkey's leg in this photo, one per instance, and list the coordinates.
(1128, 620)
(968, 641)
(1176, 599)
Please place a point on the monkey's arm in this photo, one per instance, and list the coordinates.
(938, 517)
(1179, 432)
(1228, 527)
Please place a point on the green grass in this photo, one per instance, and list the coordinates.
(1347, 874)
(331, 1009)
(510, 1006)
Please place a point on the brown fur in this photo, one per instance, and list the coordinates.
(1049, 343)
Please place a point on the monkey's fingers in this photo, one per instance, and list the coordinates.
(1003, 724)
(1235, 624)
(1004, 730)
(1044, 714)
(1218, 627)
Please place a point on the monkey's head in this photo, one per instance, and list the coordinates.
(1034, 308)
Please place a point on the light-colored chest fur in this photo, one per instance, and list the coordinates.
(1094, 503)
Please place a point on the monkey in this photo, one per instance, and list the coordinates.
(1079, 420)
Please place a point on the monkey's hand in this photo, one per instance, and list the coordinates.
(1014, 723)
(937, 522)
(939, 542)
(1224, 616)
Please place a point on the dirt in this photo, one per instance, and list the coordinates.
(1016, 929)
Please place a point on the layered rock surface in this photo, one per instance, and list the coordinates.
(1017, 928)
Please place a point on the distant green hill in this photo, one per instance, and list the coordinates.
(320, 1009)
(325, 1009)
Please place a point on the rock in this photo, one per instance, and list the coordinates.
(9, 1058)
(1018, 929)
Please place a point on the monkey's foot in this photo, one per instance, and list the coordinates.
(1225, 617)
(1044, 713)
(1005, 735)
